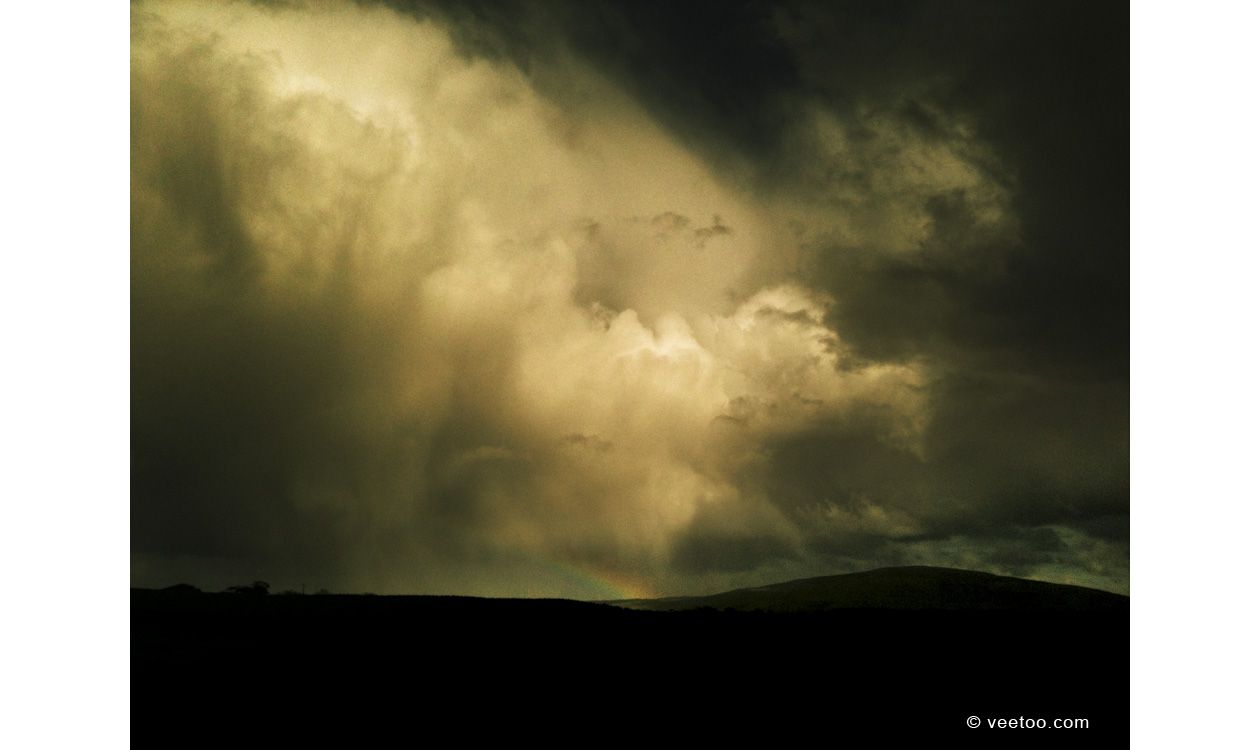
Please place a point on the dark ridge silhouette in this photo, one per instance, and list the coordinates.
(257, 588)
(908, 588)
(896, 654)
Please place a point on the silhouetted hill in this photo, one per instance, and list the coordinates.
(908, 588)
(909, 653)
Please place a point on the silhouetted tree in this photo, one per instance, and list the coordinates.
(257, 588)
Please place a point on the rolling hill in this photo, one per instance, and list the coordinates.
(907, 588)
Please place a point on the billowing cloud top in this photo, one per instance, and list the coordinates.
(609, 299)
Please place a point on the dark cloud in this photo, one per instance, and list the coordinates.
(436, 296)
(1043, 89)
(700, 553)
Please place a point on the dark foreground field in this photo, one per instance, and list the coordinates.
(364, 668)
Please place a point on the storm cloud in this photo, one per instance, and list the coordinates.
(603, 299)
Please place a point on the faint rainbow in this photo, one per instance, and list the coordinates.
(596, 583)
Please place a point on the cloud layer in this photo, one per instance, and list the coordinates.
(449, 299)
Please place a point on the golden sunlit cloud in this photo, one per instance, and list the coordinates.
(411, 312)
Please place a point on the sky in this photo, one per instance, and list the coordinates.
(621, 299)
